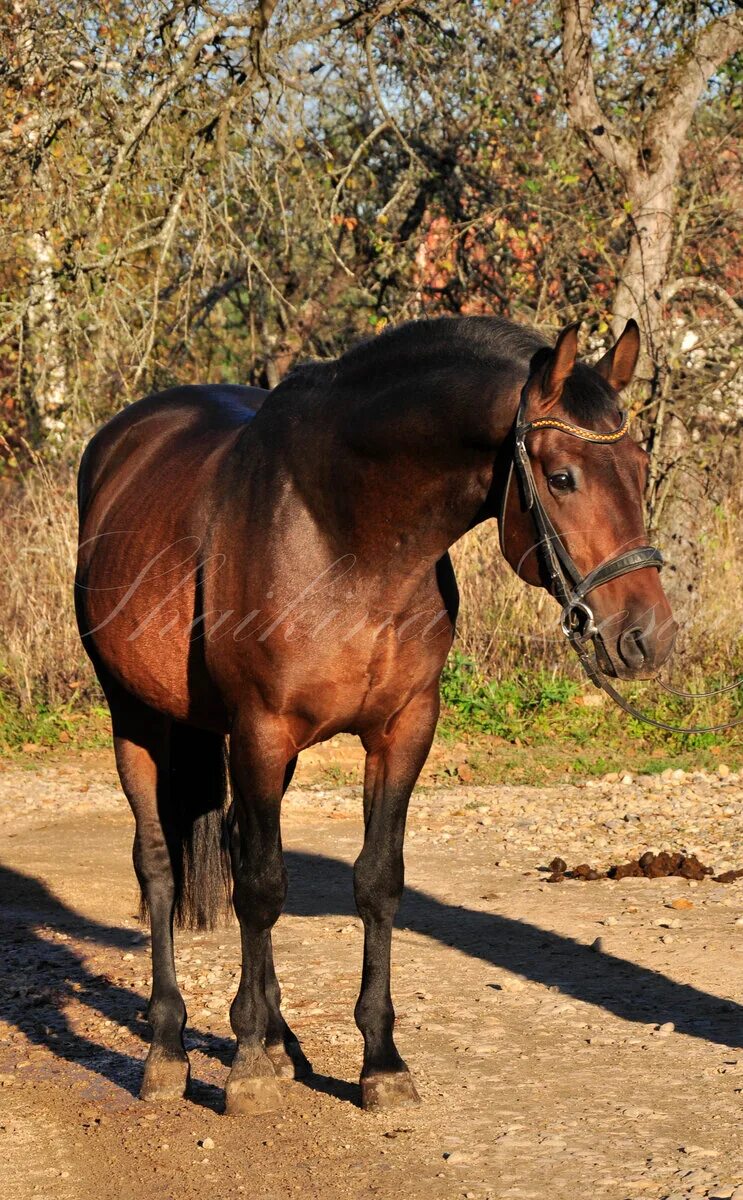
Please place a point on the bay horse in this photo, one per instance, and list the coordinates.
(259, 572)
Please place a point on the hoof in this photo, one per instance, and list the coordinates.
(395, 1090)
(165, 1079)
(245, 1096)
(289, 1061)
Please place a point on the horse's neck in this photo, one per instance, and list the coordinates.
(416, 462)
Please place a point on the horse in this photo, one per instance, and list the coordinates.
(258, 572)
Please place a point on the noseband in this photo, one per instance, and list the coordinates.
(566, 583)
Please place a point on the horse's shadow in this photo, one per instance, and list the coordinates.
(39, 975)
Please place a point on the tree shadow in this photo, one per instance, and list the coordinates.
(38, 975)
(321, 886)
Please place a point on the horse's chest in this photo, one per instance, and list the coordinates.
(356, 679)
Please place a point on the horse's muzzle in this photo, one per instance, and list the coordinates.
(638, 651)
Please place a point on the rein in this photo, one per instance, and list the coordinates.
(566, 583)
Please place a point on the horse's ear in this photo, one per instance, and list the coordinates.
(558, 367)
(618, 364)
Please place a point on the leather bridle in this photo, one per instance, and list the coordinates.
(566, 583)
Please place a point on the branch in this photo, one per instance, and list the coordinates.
(694, 283)
(159, 98)
(689, 75)
(357, 154)
(579, 86)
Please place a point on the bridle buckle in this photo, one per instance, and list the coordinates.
(577, 621)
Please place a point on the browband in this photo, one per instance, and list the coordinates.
(586, 435)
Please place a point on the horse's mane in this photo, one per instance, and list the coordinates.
(439, 342)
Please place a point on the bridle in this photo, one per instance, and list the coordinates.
(566, 583)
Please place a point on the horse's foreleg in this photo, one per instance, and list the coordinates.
(258, 766)
(282, 1046)
(392, 767)
(141, 746)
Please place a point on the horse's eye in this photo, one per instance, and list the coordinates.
(561, 481)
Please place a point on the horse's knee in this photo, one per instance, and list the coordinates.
(378, 886)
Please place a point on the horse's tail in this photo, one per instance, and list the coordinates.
(197, 826)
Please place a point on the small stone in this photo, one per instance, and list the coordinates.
(666, 1028)
(723, 771)
(598, 945)
(722, 1191)
(510, 984)
(206, 1143)
(681, 903)
(697, 1177)
(454, 1157)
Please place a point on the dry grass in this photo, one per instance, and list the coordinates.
(41, 658)
(504, 625)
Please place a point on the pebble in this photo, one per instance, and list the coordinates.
(206, 1143)
(666, 1028)
(697, 1176)
(454, 1157)
(598, 945)
(722, 1191)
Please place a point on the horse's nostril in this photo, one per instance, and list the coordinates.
(632, 647)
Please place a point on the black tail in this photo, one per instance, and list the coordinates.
(196, 822)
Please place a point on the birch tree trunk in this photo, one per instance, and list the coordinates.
(45, 353)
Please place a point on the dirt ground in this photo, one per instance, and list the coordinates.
(549, 1064)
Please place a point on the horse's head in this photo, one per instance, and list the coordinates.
(593, 495)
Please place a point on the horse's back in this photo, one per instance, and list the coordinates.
(161, 428)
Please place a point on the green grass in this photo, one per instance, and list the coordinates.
(44, 727)
(533, 728)
(549, 714)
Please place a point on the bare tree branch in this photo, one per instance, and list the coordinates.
(580, 88)
(687, 79)
(694, 283)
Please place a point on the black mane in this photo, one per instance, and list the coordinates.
(493, 342)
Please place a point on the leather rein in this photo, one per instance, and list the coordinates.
(566, 583)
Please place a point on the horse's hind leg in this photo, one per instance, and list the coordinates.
(392, 767)
(141, 743)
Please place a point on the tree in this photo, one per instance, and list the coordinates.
(649, 160)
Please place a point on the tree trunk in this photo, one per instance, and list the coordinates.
(639, 294)
(46, 355)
